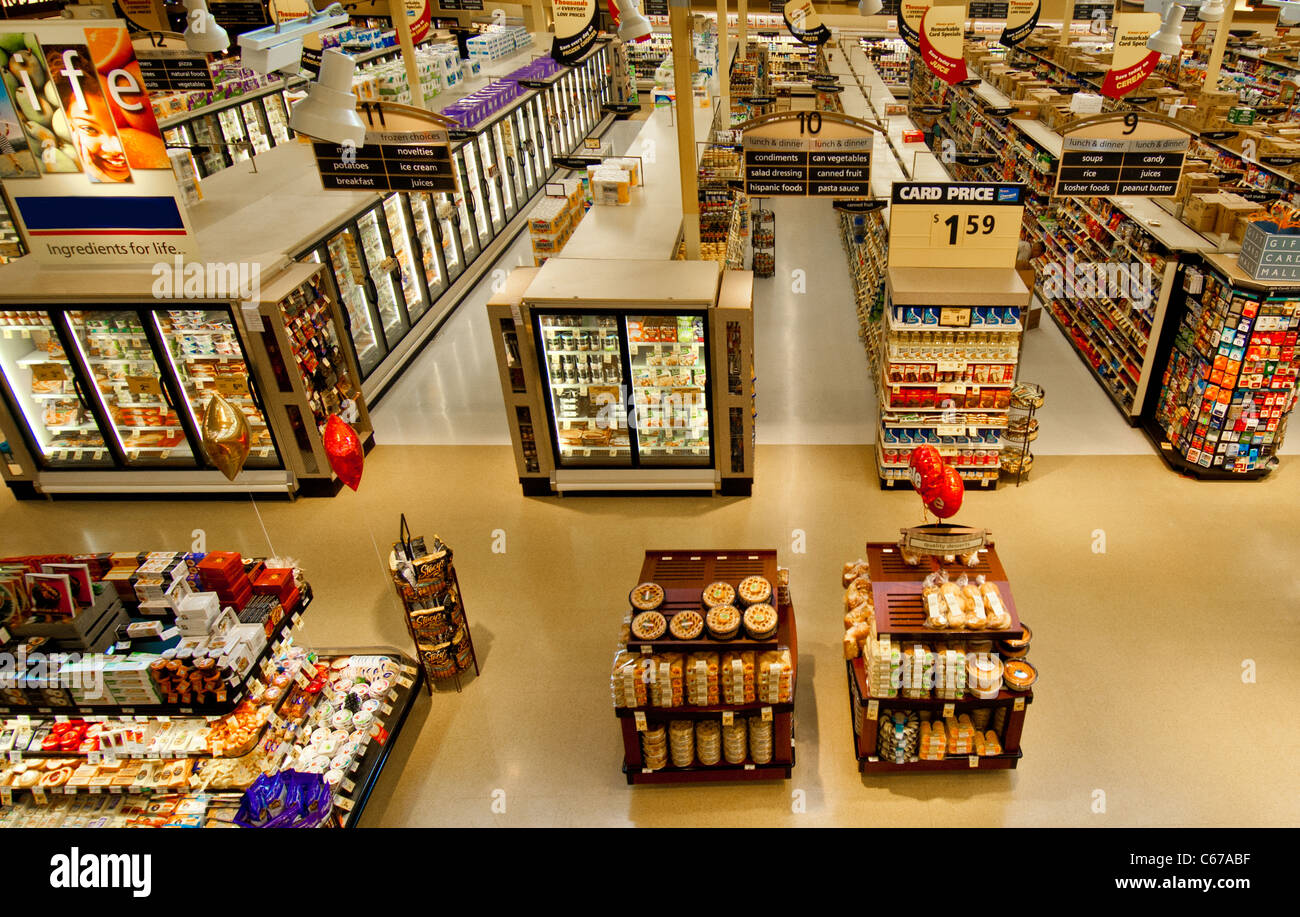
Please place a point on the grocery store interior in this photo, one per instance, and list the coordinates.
(506, 423)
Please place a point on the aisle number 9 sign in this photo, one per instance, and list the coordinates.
(955, 224)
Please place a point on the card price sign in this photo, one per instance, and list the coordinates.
(954, 224)
(1129, 155)
(808, 154)
(389, 161)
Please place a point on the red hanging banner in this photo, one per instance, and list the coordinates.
(942, 39)
(1132, 61)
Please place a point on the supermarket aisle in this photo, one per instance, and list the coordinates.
(450, 393)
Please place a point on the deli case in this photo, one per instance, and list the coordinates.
(105, 392)
(628, 375)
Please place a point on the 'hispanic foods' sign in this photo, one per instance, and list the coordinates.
(82, 157)
(1132, 61)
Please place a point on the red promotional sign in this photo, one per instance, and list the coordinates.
(1119, 83)
(417, 11)
(942, 36)
(1132, 61)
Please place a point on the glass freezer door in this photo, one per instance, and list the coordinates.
(582, 360)
(277, 118)
(668, 356)
(426, 233)
(408, 261)
(233, 133)
(492, 177)
(207, 132)
(206, 356)
(443, 209)
(507, 172)
(119, 356)
(472, 184)
(43, 387)
(382, 266)
(255, 120)
(530, 168)
(350, 279)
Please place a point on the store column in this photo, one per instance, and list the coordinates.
(683, 73)
(397, 10)
(1215, 63)
(742, 26)
(724, 61)
(1066, 18)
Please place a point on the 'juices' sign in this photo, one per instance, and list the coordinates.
(81, 154)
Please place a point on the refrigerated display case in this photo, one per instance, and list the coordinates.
(381, 266)
(431, 238)
(640, 373)
(343, 254)
(398, 223)
(104, 391)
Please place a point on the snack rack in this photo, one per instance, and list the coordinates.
(896, 591)
(426, 583)
(683, 574)
(1022, 429)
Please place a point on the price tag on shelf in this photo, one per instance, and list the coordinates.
(15, 756)
(646, 770)
(96, 790)
(6, 796)
(639, 716)
(949, 710)
(392, 694)
(92, 757)
(873, 709)
(39, 795)
(1018, 704)
(728, 718)
(348, 785)
(409, 669)
(766, 714)
(344, 803)
(952, 388)
(164, 719)
(404, 681)
(646, 650)
(115, 789)
(949, 366)
(973, 760)
(25, 720)
(387, 708)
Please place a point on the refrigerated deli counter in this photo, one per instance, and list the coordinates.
(628, 375)
(103, 385)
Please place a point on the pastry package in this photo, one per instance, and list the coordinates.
(667, 687)
(702, 679)
(950, 673)
(629, 680)
(961, 735)
(918, 670)
(884, 666)
(858, 593)
(775, 677)
(734, 741)
(855, 569)
(737, 677)
(934, 741)
(854, 637)
(932, 601)
(681, 742)
(857, 616)
(999, 617)
(973, 599)
(708, 741)
(760, 740)
(954, 605)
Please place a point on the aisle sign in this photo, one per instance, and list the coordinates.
(406, 149)
(910, 14)
(1129, 154)
(955, 224)
(942, 41)
(1131, 61)
(1022, 19)
(808, 154)
(167, 65)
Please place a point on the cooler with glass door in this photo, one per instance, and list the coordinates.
(92, 389)
(628, 375)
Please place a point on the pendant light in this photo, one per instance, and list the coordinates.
(330, 110)
(1167, 39)
(632, 26)
(202, 31)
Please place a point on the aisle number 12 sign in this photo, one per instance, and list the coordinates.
(954, 224)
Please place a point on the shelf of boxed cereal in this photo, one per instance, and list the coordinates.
(934, 698)
(165, 773)
(706, 692)
(143, 635)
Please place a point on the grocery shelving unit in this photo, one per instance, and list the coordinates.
(764, 241)
(1230, 382)
(937, 363)
(683, 575)
(896, 589)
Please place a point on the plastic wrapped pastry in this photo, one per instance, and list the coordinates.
(934, 606)
(629, 680)
(999, 617)
(855, 569)
(954, 605)
(858, 593)
(737, 676)
(775, 677)
(702, 679)
(667, 687)
(854, 638)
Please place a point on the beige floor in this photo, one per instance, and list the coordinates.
(1141, 648)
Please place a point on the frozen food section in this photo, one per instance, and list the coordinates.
(628, 375)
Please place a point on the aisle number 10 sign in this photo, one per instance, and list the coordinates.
(954, 224)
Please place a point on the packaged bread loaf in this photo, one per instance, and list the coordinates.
(858, 593)
(666, 680)
(629, 680)
(702, 679)
(954, 605)
(775, 676)
(999, 617)
(857, 615)
(737, 676)
(855, 569)
(934, 606)
(977, 617)
(854, 637)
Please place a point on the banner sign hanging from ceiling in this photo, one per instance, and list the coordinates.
(1130, 153)
(575, 29)
(804, 23)
(1022, 19)
(808, 154)
(910, 14)
(1132, 61)
(87, 170)
(942, 40)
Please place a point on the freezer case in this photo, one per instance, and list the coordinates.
(669, 359)
(583, 361)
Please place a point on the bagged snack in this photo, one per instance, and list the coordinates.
(858, 593)
(955, 605)
(855, 569)
(998, 616)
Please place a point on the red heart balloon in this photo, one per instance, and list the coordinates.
(945, 500)
(343, 449)
(925, 466)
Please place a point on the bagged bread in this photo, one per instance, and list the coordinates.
(999, 617)
(855, 569)
(775, 677)
(858, 593)
(737, 677)
(853, 639)
(857, 615)
(955, 605)
(935, 615)
(629, 680)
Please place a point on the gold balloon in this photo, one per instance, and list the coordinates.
(225, 436)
